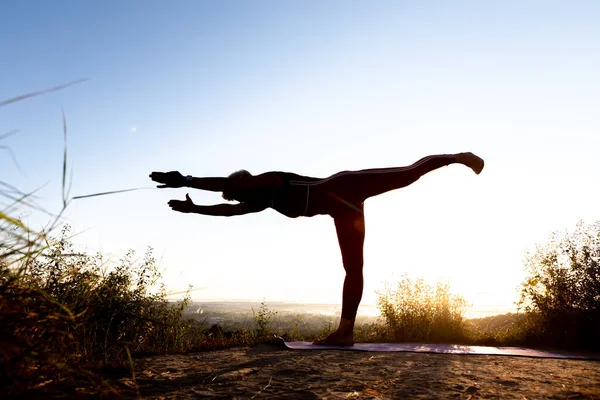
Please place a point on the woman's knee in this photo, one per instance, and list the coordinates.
(353, 268)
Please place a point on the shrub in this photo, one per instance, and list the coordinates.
(62, 313)
(65, 313)
(561, 295)
(416, 311)
(263, 319)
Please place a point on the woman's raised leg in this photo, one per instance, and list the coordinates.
(357, 186)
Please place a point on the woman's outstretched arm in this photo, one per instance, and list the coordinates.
(174, 179)
(221, 210)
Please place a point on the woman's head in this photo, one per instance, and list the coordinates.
(230, 195)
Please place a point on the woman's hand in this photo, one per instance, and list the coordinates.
(171, 179)
(185, 206)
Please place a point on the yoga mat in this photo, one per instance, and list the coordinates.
(440, 348)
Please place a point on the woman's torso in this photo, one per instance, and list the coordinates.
(293, 198)
(306, 196)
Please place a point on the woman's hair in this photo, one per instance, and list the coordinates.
(228, 194)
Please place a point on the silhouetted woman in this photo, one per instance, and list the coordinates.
(340, 196)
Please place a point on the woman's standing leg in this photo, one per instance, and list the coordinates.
(350, 229)
(351, 189)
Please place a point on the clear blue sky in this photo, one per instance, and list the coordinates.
(311, 87)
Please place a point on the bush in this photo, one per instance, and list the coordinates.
(64, 313)
(263, 319)
(416, 311)
(561, 295)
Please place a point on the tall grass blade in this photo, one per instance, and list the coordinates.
(12, 156)
(131, 366)
(11, 220)
(7, 134)
(112, 192)
(41, 92)
(64, 170)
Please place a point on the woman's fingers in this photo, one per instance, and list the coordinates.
(181, 205)
(159, 179)
(172, 179)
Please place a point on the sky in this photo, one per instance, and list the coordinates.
(311, 87)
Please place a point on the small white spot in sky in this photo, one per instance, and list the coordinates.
(133, 129)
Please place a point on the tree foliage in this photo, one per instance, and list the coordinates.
(562, 290)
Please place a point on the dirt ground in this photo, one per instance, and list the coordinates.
(271, 372)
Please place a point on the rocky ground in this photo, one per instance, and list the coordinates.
(271, 372)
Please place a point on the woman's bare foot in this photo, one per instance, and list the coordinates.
(470, 160)
(337, 338)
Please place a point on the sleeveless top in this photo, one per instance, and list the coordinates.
(291, 198)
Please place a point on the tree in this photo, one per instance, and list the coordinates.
(562, 290)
